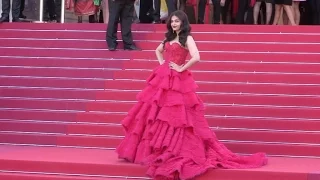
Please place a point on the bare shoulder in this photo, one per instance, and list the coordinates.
(190, 38)
(191, 44)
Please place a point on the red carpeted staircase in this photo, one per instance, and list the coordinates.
(63, 95)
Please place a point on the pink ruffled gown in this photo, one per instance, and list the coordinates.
(167, 131)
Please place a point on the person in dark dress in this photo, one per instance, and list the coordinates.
(287, 6)
(257, 7)
(216, 11)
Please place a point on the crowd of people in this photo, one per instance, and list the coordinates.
(291, 12)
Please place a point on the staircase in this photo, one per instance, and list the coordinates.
(63, 95)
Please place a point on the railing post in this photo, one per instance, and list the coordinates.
(62, 11)
(41, 12)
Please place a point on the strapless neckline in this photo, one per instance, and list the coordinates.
(176, 43)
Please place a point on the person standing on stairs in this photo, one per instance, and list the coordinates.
(296, 10)
(84, 8)
(166, 130)
(6, 6)
(243, 10)
(22, 5)
(171, 4)
(256, 11)
(57, 10)
(120, 10)
(182, 5)
(283, 5)
(216, 11)
(315, 7)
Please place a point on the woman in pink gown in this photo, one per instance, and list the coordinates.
(166, 130)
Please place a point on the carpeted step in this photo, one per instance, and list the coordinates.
(149, 54)
(54, 176)
(262, 135)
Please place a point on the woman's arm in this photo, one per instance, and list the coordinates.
(194, 53)
(159, 52)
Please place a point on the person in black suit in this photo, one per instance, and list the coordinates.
(120, 10)
(315, 9)
(22, 9)
(6, 10)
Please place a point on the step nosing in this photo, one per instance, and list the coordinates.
(125, 112)
(240, 62)
(119, 125)
(77, 135)
(57, 77)
(135, 91)
(116, 69)
(230, 82)
(260, 117)
(71, 174)
(203, 51)
(132, 102)
(60, 122)
(143, 80)
(45, 110)
(231, 72)
(159, 41)
(64, 58)
(154, 60)
(59, 146)
(62, 67)
(265, 130)
(54, 88)
(232, 141)
(162, 31)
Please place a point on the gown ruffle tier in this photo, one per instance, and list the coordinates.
(167, 131)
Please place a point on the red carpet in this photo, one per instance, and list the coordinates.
(66, 161)
(104, 163)
(60, 87)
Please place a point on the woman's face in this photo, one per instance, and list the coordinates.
(175, 23)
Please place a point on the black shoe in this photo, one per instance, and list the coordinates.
(131, 48)
(22, 16)
(112, 48)
(156, 22)
(16, 20)
(136, 21)
(3, 19)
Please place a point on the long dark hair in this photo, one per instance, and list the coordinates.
(185, 28)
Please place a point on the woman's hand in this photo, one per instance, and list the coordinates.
(175, 67)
